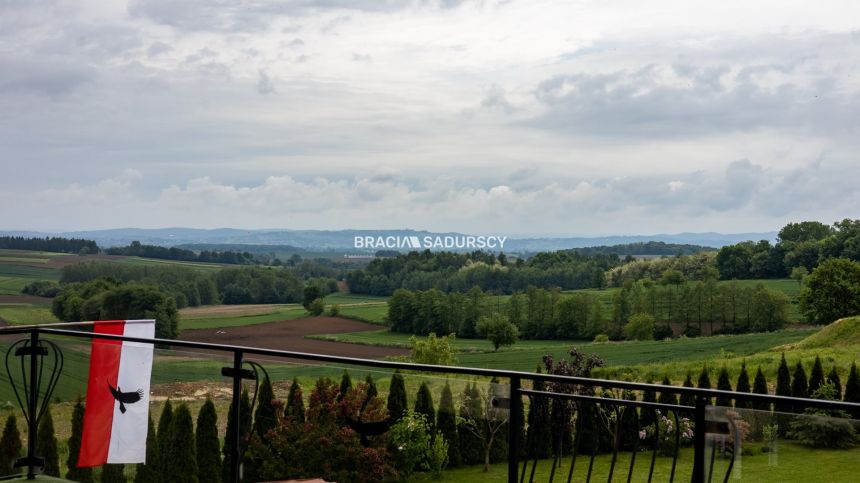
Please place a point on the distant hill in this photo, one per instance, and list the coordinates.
(341, 240)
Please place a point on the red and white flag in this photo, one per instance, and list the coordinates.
(117, 406)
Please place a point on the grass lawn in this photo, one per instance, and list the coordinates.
(792, 463)
(284, 312)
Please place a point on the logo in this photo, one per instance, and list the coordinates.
(447, 242)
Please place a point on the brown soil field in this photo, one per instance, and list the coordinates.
(24, 299)
(289, 335)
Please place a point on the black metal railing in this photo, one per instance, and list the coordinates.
(596, 405)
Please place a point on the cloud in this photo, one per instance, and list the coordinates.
(265, 85)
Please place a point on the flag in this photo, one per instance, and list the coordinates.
(117, 406)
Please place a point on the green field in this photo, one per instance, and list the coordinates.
(284, 312)
(206, 267)
(26, 314)
(13, 277)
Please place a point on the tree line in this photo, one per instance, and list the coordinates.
(536, 313)
(49, 244)
(137, 249)
(799, 245)
(459, 272)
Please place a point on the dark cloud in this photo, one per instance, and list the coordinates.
(53, 76)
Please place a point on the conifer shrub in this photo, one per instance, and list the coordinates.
(81, 475)
(46, 444)
(208, 444)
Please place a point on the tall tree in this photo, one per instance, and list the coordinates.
(852, 388)
(799, 384)
(163, 441)
(397, 404)
(265, 416)
(760, 387)
(816, 376)
(183, 455)
(667, 397)
(743, 385)
(539, 424)
(244, 430)
(345, 385)
(831, 291)
(295, 403)
(46, 444)
(704, 380)
(82, 475)
(783, 388)
(208, 445)
(446, 424)
(688, 399)
(146, 472)
(424, 405)
(372, 392)
(10, 446)
(723, 384)
(833, 379)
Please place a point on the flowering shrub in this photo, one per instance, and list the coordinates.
(666, 436)
(409, 443)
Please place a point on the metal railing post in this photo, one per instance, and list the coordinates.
(32, 423)
(699, 440)
(514, 425)
(235, 470)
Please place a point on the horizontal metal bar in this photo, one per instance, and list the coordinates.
(474, 371)
(607, 400)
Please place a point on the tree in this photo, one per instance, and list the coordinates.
(345, 385)
(833, 380)
(704, 380)
(372, 391)
(799, 273)
(424, 405)
(539, 424)
(46, 444)
(183, 454)
(640, 327)
(816, 376)
(317, 307)
(433, 350)
(165, 421)
(311, 294)
(137, 301)
(82, 475)
(482, 419)
(244, 430)
(831, 291)
(397, 404)
(688, 399)
(743, 385)
(208, 444)
(783, 388)
(265, 417)
(146, 472)
(799, 384)
(10, 446)
(295, 403)
(723, 384)
(804, 231)
(852, 389)
(446, 425)
(760, 387)
(113, 474)
(667, 397)
(498, 330)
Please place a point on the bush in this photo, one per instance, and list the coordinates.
(409, 441)
(831, 291)
(433, 350)
(208, 444)
(640, 327)
(601, 339)
(10, 446)
(81, 475)
(46, 444)
(824, 429)
(334, 310)
(662, 332)
(317, 307)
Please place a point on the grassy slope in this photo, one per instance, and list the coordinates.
(842, 333)
(26, 314)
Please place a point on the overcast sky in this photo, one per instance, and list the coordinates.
(512, 117)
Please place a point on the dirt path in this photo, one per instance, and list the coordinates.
(290, 335)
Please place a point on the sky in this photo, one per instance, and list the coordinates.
(508, 117)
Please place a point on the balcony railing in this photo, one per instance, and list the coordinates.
(591, 417)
